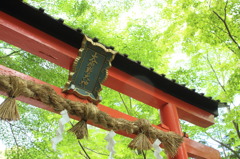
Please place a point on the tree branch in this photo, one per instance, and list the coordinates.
(144, 154)
(225, 11)
(225, 145)
(17, 51)
(224, 43)
(32, 142)
(237, 128)
(126, 107)
(14, 52)
(130, 102)
(96, 151)
(220, 28)
(83, 149)
(226, 26)
(215, 73)
(234, 123)
(15, 140)
(83, 155)
(82, 146)
(10, 48)
(220, 137)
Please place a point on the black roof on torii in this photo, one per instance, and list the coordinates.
(38, 19)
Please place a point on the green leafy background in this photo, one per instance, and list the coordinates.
(194, 42)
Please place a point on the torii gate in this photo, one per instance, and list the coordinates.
(36, 32)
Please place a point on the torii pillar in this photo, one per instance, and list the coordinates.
(169, 117)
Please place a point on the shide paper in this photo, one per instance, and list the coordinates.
(65, 119)
(111, 143)
(157, 149)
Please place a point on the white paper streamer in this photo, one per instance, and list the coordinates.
(65, 119)
(157, 149)
(111, 143)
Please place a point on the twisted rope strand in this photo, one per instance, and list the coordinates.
(47, 95)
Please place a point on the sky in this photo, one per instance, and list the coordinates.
(2, 146)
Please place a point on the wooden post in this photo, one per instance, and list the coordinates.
(170, 118)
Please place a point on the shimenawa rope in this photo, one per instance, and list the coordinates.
(16, 86)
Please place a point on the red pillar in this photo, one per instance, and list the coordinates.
(170, 118)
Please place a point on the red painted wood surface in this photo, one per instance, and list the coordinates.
(45, 46)
(125, 83)
(194, 149)
(170, 118)
(200, 151)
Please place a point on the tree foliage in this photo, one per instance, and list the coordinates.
(195, 42)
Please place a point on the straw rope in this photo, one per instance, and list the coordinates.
(89, 111)
(8, 108)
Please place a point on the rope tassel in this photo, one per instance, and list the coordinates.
(80, 129)
(8, 109)
(140, 142)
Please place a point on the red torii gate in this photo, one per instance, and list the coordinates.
(18, 31)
